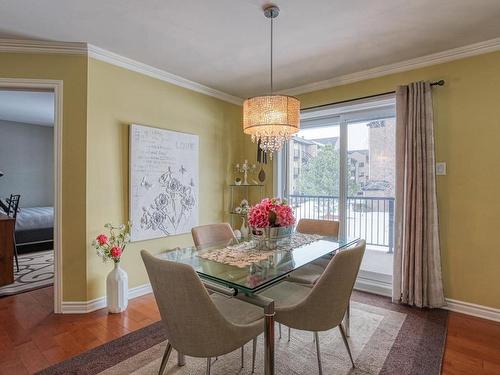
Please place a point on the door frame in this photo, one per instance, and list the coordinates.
(57, 87)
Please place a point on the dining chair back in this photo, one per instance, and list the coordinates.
(325, 306)
(212, 234)
(12, 209)
(194, 326)
(13, 206)
(321, 227)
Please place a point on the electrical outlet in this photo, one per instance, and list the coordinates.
(441, 169)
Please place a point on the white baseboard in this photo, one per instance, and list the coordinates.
(385, 289)
(372, 286)
(139, 291)
(473, 309)
(362, 284)
(82, 307)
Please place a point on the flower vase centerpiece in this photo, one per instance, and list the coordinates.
(242, 210)
(111, 247)
(271, 221)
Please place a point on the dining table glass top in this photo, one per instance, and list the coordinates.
(258, 275)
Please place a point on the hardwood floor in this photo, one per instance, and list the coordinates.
(472, 346)
(32, 337)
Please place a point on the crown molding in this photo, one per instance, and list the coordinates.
(136, 66)
(480, 48)
(77, 48)
(42, 46)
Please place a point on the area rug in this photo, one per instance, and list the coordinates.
(36, 270)
(385, 339)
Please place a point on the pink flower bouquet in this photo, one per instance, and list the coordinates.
(272, 213)
(271, 221)
(112, 246)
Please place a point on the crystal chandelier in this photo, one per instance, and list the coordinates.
(271, 119)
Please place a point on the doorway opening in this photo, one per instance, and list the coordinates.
(30, 185)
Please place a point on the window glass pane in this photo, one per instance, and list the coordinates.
(370, 189)
(314, 183)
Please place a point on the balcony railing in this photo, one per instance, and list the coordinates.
(371, 218)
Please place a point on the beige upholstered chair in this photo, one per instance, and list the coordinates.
(215, 234)
(198, 324)
(310, 273)
(212, 233)
(321, 227)
(323, 306)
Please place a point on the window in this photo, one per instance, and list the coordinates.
(347, 172)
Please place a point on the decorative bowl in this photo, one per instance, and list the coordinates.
(271, 237)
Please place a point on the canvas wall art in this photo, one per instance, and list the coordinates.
(163, 182)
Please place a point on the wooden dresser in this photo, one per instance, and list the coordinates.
(6, 249)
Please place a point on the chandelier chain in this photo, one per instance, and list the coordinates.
(272, 34)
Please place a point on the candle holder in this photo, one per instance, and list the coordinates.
(245, 168)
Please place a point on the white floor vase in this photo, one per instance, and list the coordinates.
(117, 290)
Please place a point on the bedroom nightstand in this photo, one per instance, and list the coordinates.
(6, 249)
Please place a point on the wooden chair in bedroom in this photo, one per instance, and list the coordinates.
(12, 212)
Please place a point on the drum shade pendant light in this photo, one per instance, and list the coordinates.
(271, 119)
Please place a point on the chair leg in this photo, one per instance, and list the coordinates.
(15, 253)
(346, 343)
(164, 360)
(209, 364)
(318, 353)
(181, 359)
(254, 350)
(243, 356)
(279, 329)
(289, 332)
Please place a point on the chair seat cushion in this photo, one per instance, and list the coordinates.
(237, 311)
(323, 261)
(286, 294)
(306, 275)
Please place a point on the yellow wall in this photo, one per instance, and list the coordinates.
(118, 97)
(95, 159)
(467, 123)
(72, 69)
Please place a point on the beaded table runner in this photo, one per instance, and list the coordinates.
(244, 254)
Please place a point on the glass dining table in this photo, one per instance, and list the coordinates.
(235, 274)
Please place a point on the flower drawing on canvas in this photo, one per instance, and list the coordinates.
(173, 205)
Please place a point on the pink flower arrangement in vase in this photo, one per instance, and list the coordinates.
(271, 219)
(111, 247)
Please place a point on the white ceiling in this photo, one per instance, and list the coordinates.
(224, 44)
(30, 107)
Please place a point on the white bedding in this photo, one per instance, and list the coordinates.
(35, 218)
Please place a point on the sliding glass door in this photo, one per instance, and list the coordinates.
(341, 166)
(314, 183)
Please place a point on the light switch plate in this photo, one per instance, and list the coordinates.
(441, 169)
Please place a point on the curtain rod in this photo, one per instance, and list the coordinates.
(436, 83)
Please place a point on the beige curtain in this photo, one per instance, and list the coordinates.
(417, 258)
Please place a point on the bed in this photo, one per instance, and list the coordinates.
(34, 225)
